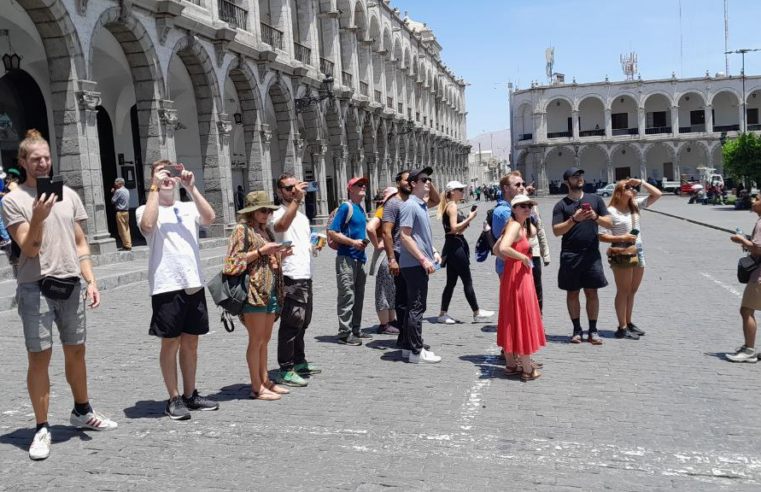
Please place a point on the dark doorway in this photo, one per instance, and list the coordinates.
(138, 152)
(108, 167)
(623, 173)
(22, 107)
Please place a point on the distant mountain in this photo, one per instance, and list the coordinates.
(500, 140)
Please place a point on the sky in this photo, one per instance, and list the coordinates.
(492, 42)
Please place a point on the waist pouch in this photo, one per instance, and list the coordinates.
(58, 288)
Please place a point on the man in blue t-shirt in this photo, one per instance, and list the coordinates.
(351, 236)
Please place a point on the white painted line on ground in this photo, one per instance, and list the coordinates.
(472, 407)
(722, 284)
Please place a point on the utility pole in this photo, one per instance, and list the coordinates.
(742, 52)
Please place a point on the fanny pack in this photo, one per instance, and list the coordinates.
(58, 288)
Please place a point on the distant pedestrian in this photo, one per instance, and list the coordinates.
(520, 331)
(54, 254)
(5, 239)
(478, 194)
(625, 212)
(751, 300)
(456, 253)
(351, 236)
(240, 198)
(385, 290)
(176, 283)
(120, 201)
(418, 260)
(576, 218)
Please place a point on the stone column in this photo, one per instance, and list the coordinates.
(643, 167)
(641, 121)
(575, 124)
(611, 172)
(320, 174)
(709, 119)
(540, 173)
(675, 120)
(86, 176)
(218, 182)
(608, 124)
(343, 162)
(265, 136)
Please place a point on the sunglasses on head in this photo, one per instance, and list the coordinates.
(288, 188)
(523, 205)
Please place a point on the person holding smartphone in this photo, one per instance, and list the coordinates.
(624, 209)
(456, 253)
(576, 218)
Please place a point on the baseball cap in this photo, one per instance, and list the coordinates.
(455, 185)
(417, 172)
(354, 181)
(388, 193)
(570, 172)
(400, 173)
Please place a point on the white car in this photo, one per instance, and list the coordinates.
(607, 190)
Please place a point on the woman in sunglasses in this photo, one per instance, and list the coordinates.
(520, 331)
(624, 210)
(265, 292)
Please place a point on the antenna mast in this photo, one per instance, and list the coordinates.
(629, 65)
(549, 55)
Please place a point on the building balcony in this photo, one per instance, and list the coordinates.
(598, 132)
(302, 53)
(347, 79)
(378, 97)
(326, 66)
(754, 128)
(232, 14)
(559, 135)
(656, 130)
(271, 36)
(692, 129)
(390, 102)
(417, 116)
(400, 107)
(726, 128)
(625, 131)
(364, 89)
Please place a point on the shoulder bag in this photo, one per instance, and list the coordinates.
(623, 256)
(230, 292)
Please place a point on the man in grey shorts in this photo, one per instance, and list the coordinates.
(54, 253)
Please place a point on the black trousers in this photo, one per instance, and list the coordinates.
(294, 320)
(458, 266)
(400, 301)
(417, 296)
(538, 280)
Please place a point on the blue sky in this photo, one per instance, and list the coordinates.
(492, 42)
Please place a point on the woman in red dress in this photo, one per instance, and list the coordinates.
(520, 331)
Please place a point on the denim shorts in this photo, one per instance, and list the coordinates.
(38, 313)
(271, 307)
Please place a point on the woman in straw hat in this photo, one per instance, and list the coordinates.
(265, 292)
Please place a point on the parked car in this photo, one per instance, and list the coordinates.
(607, 190)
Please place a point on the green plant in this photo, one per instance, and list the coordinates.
(742, 157)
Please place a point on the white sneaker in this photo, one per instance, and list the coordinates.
(744, 354)
(92, 420)
(445, 319)
(40, 448)
(483, 315)
(424, 357)
(405, 354)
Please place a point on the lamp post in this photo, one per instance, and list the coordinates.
(302, 104)
(742, 52)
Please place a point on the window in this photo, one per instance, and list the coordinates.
(620, 121)
(752, 116)
(656, 119)
(697, 117)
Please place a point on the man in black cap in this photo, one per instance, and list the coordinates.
(576, 217)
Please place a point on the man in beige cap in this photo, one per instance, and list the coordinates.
(176, 283)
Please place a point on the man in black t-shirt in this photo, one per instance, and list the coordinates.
(576, 218)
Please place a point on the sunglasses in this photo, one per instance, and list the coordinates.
(361, 185)
(288, 188)
(523, 205)
(424, 180)
(523, 184)
(627, 188)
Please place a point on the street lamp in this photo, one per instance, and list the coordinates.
(303, 103)
(742, 52)
(11, 60)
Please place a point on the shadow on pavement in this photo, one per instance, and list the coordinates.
(146, 409)
(22, 438)
(382, 344)
(393, 356)
(236, 391)
(718, 355)
(491, 366)
(327, 338)
(489, 329)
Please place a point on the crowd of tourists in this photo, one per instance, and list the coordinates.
(275, 246)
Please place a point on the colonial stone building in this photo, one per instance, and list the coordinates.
(237, 90)
(613, 130)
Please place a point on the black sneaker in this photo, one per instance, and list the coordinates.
(350, 340)
(363, 335)
(626, 333)
(634, 328)
(176, 409)
(198, 402)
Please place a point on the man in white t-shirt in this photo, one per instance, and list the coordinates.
(176, 281)
(292, 225)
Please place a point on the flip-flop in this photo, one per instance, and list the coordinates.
(280, 390)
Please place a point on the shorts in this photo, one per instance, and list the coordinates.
(581, 270)
(38, 313)
(752, 296)
(177, 312)
(272, 306)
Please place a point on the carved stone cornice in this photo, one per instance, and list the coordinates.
(82, 7)
(88, 100)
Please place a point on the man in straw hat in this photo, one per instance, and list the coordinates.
(175, 279)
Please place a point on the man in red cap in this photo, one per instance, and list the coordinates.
(348, 229)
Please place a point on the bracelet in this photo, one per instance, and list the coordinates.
(90, 281)
(259, 252)
(423, 260)
(573, 219)
(392, 259)
(154, 188)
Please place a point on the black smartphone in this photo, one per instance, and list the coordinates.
(366, 241)
(174, 170)
(474, 208)
(50, 185)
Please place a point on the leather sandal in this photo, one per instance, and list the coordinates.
(530, 376)
(269, 396)
(512, 371)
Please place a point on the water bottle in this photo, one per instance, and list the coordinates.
(313, 240)
(738, 231)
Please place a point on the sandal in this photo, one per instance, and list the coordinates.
(278, 389)
(512, 371)
(268, 396)
(530, 376)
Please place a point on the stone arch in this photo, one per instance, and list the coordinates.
(249, 98)
(750, 90)
(592, 95)
(388, 45)
(623, 94)
(688, 92)
(201, 69)
(554, 99)
(375, 33)
(276, 90)
(360, 19)
(665, 94)
(690, 160)
(627, 146)
(657, 167)
(346, 17)
(722, 90)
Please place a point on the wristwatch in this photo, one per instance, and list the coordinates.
(154, 188)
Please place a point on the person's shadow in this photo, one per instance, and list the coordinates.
(240, 391)
(22, 438)
(146, 409)
(491, 366)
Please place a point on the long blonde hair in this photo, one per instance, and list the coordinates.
(445, 201)
(33, 139)
(619, 198)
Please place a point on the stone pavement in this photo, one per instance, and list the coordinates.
(663, 413)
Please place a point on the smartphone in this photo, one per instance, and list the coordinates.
(313, 186)
(634, 232)
(436, 267)
(474, 208)
(174, 170)
(366, 241)
(50, 185)
(586, 206)
(285, 244)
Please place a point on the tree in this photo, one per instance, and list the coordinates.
(742, 157)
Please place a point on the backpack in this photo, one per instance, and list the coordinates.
(334, 244)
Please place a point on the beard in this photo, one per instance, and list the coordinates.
(577, 186)
(405, 191)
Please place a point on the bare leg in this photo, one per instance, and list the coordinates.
(749, 327)
(623, 278)
(383, 317)
(391, 315)
(38, 383)
(188, 362)
(573, 304)
(264, 349)
(637, 275)
(76, 371)
(255, 325)
(593, 303)
(168, 362)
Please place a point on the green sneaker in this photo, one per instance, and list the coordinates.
(307, 368)
(290, 378)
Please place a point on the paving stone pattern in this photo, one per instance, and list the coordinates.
(663, 413)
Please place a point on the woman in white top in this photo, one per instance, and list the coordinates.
(625, 209)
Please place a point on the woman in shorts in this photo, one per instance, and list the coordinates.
(625, 210)
(265, 293)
